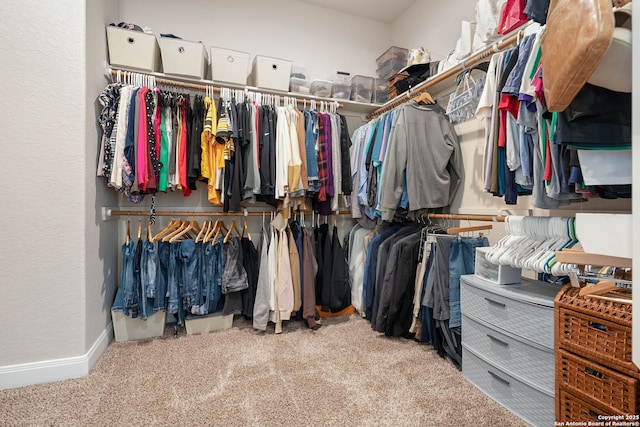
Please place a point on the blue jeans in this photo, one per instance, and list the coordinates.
(462, 258)
(148, 266)
(189, 279)
(127, 282)
(172, 282)
(210, 291)
(162, 276)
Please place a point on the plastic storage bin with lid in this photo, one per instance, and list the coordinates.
(391, 61)
(322, 88)
(133, 49)
(299, 81)
(380, 91)
(341, 85)
(183, 58)
(361, 88)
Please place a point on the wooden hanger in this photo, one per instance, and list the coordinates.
(599, 288)
(128, 232)
(212, 231)
(245, 228)
(204, 231)
(458, 230)
(232, 227)
(182, 225)
(139, 228)
(171, 226)
(149, 235)
(424, 97)
(186, 231)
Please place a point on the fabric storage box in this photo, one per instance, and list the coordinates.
(380, 91)
(229, 66)
(322, 88)
(133, 49)
(127, 328)
(183, 58)
(361, 88)
(500, 274)
(209, 323)
(271, 73)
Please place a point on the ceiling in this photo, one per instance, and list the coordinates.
(385, 11)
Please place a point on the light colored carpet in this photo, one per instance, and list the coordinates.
(344, 374)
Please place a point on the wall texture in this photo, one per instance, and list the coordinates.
(43, 168)
(316, 38)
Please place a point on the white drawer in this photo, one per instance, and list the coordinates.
(532, 405)
(526, 360)
(525, 310)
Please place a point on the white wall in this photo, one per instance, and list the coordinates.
(316, 38)
(101, 249)
(434, 25)
(58, 266)
(42, 167)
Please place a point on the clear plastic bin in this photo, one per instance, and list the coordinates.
(390, 68)
(342, 91)
(361, 88)
(322, 88)
(341, 77)
(380, 91)
(394, 53)
(299, 85)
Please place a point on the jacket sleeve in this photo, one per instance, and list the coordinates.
(394, 166)
(454, 167)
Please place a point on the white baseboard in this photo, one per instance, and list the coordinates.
(25, 374)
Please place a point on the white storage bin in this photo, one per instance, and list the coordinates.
(127, 328)
(183, 58)
(271, 73)
(208, 323)
(499, 274)
(229, 66)
(133, 49)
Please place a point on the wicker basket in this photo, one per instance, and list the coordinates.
(574, 409)
(594, 328)
(595, 383)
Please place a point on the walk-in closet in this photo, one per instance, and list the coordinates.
(317, 212)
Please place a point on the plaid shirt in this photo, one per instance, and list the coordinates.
(322, 159)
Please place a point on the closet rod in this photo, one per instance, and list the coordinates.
(453, 71)
(462, 217)
(163, 80)
(209, 214)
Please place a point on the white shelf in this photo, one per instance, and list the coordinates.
(358, 107)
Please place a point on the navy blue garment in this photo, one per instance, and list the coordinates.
(251, 263)
(368, 286)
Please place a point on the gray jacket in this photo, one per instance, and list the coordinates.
(424, 144)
